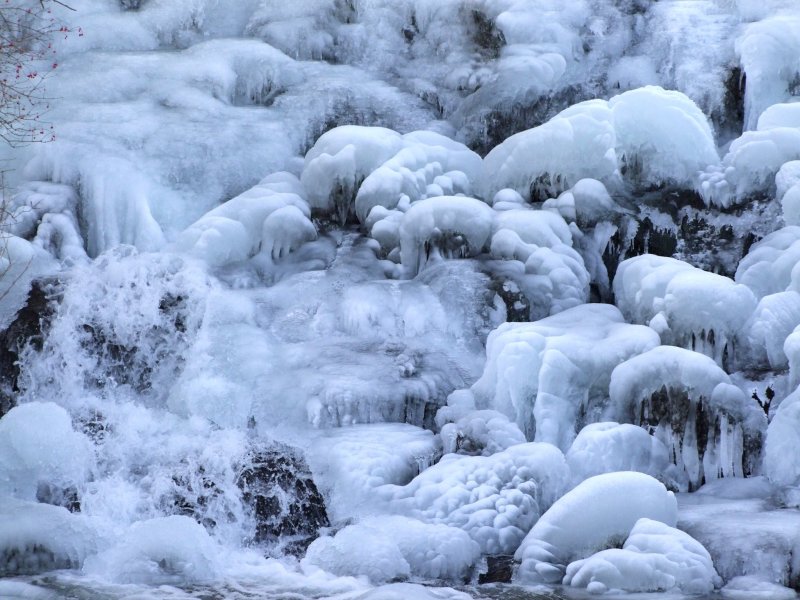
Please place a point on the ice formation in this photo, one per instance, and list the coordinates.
(709, 427)
(688, 307)
(547, 375)
(607, 447)
(635, 135)
(599, 513)
(655, 557)
(308, 298)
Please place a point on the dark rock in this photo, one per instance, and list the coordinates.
(65, 497)
(28, 327)
(279, 490)
(499, 569)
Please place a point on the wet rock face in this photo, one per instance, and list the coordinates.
(277, 486)
(27, 328)
(57, 496)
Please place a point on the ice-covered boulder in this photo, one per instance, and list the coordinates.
(429, 165)
(689, 307)
(388, 548)
(39, 446)
(607, 447)
(272, 217)
(350, 464)
(710, 428)
(587, 203)
(787, 190)
(36, 538)
(548, 375)
(655, 557)
(339, 162)
(648, 136)
(768, 50)
(769, 265)
(447, 226)
(495, 499)
(476, 432)
(159, 551)
(761, 342)
(599, 513)
(533, 249)
(783, 442)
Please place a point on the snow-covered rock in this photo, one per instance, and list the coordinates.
(655, 557)
(388, 548)
(710, 428)
(544, 374)
(599, 513)
(607, 447)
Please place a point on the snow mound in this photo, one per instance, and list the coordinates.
(38, 445)
(642, 135)
(495, 499)
(271, 217)
(542, 374)
(161, 551)
(600, 512)
(690, 404)
(688, 307)
(607, 447)
(655, 557)
(36, 538)
(387, 548)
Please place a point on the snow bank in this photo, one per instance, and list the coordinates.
(705, 422)
(38, 445)
(394, 547)
(162, 551)
(642, 135)
(599, 513)
(607, 447)
(655, 557)
(542, 374)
